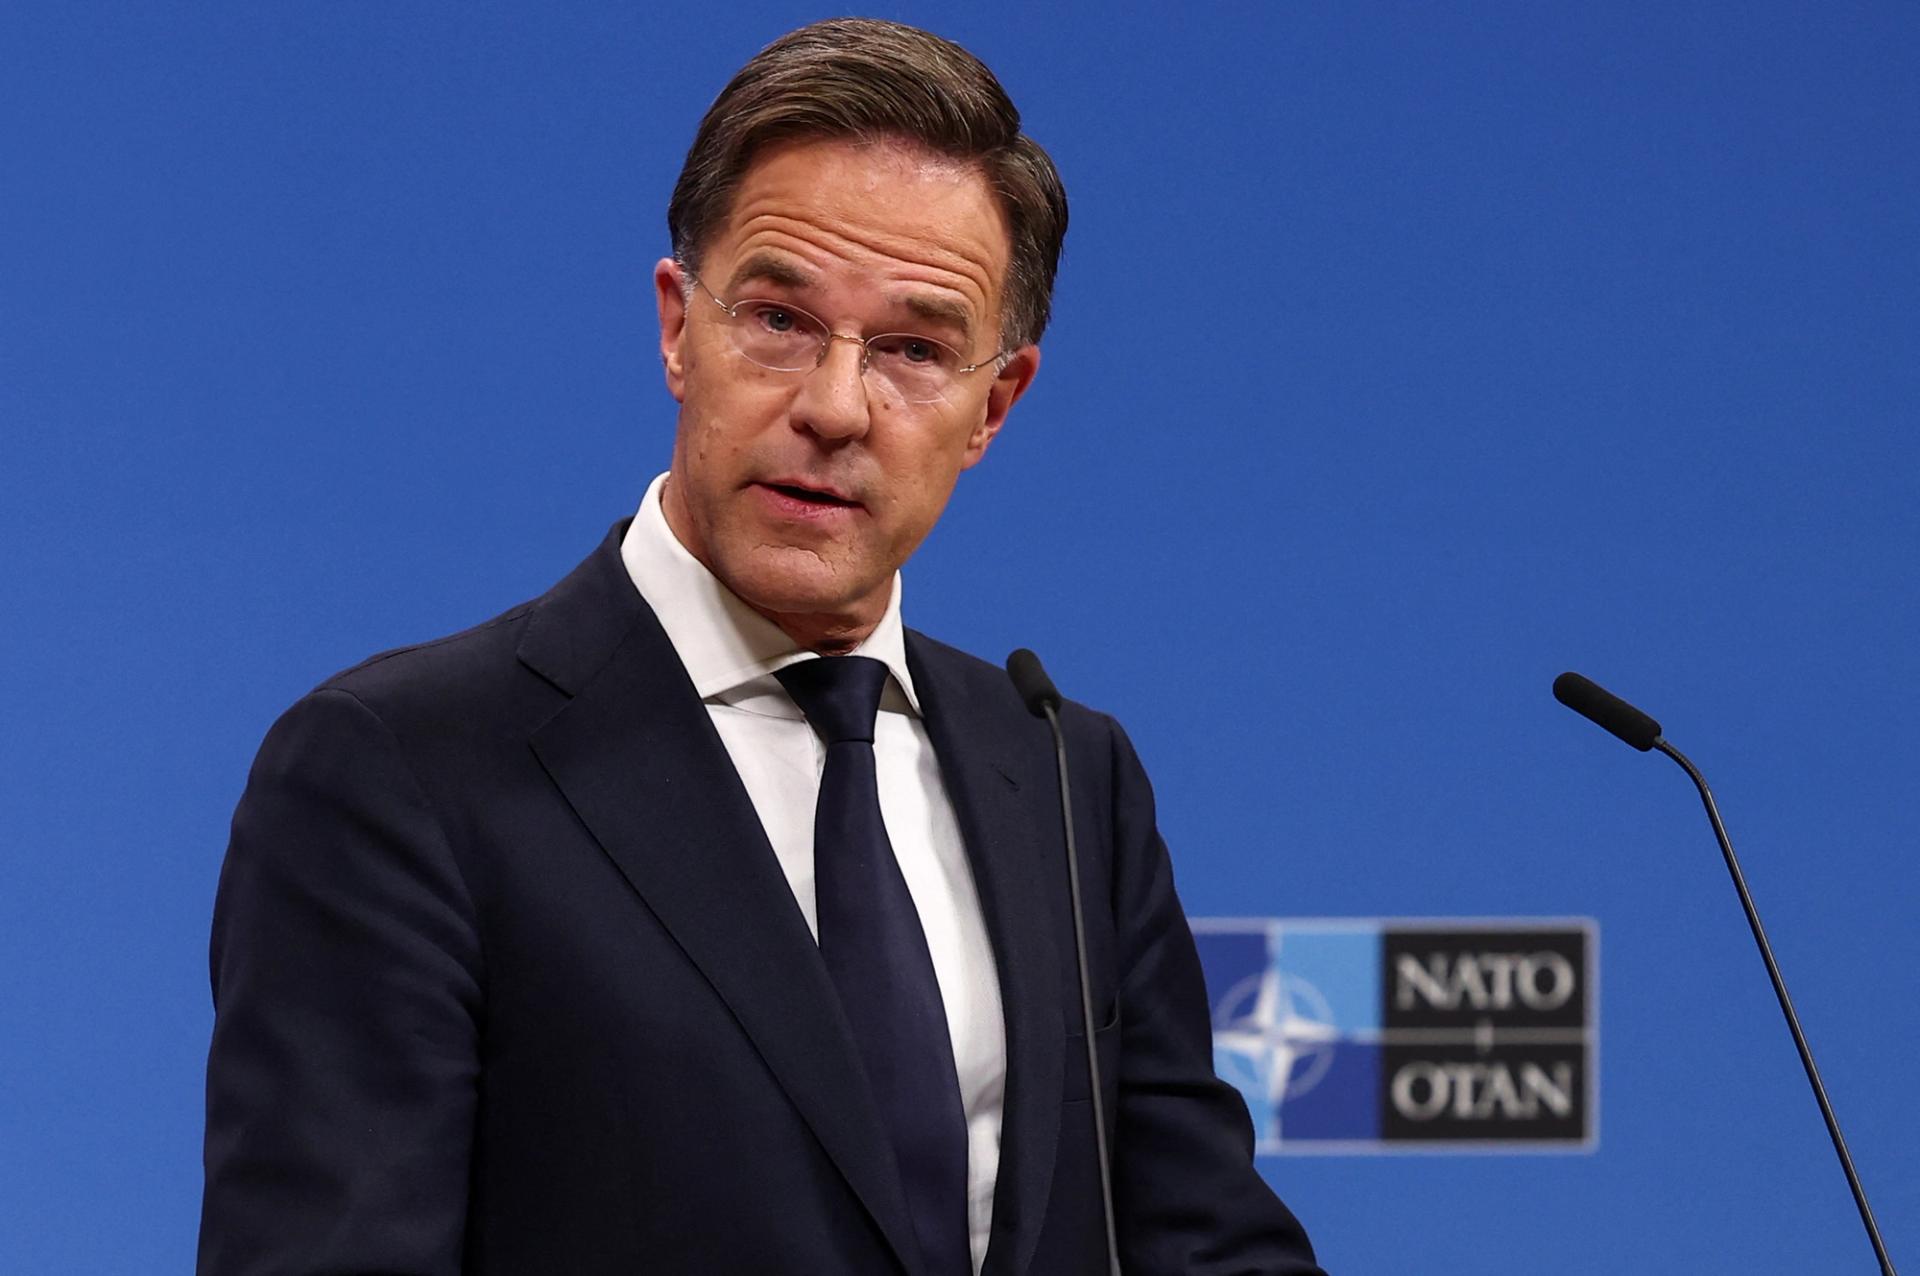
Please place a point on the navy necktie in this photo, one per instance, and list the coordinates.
(877, 956)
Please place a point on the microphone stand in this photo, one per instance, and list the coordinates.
(1086, 992)
(1786, 1003)
(1609, 712)
(1042, 699)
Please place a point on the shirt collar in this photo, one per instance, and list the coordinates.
(725, 644)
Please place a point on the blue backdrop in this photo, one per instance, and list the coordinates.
(1404, 356)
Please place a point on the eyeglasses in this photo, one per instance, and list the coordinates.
(784, 338)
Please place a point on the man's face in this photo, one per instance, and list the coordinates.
(805, 491)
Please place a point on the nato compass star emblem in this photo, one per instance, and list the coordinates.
(1273, 1036)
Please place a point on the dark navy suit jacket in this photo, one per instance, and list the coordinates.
(508, 980)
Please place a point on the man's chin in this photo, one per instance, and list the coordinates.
(789, 584)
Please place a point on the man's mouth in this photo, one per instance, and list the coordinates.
(812, 495)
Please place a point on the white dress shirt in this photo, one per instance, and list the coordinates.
(731, 652)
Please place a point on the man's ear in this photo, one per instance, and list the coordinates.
(1008, 385)
(673, 324)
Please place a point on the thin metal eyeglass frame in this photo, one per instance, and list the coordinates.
(826, 343)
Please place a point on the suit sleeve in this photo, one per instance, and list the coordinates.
(1187, 1198)
(341, 1082)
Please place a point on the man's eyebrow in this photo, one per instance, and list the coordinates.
(766, 268)
(941, 310)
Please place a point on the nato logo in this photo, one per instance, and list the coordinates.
(1370, 1035)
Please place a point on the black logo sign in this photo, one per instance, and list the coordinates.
(1486, 1035)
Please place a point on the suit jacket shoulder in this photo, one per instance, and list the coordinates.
(500, 951)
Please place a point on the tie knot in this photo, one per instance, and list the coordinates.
(839, 694)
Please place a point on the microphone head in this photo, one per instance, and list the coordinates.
(1031, 681)
(1600, 706)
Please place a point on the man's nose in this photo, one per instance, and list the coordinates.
(832, 401)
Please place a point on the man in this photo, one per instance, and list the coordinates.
(697, 917)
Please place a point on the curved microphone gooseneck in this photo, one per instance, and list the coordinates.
(1043, 701)
(1605, 709)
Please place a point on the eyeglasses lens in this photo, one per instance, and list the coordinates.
(908, 368)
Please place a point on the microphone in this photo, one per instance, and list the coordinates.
(1043, 701)
(1596, 704)
(1605, 709)
(1031, 681)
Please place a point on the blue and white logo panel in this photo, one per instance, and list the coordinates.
(1365, 1035)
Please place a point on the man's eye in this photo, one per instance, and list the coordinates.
(910, 349)
(774, 319)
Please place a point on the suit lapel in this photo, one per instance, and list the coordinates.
(638, 759)
(999, 775)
